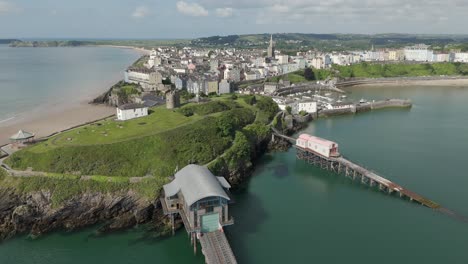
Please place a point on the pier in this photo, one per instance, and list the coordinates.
(335, 162)
(342, 166)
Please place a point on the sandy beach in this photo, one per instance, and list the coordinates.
(46, 123)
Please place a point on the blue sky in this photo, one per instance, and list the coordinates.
(197, 18)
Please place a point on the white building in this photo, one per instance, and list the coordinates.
(307, 106)
(461, 57)
(270, 88)
(339, 106)
(317, 63)
(418, 52)
(149, 80)
(441, 57)
(283, 59)
(224, 87)
(130, 111)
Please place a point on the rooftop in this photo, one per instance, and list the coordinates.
(131, 106)
(196, 182)
(20, 135)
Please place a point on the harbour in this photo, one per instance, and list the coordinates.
(290, 210)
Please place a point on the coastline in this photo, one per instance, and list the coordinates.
(443, 81)
(62, 113)
(142, 51)
(46, 123)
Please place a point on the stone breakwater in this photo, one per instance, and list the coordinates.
(368, 106)
(396, 80)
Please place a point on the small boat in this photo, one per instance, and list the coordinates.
(344, 96)
(362, 101)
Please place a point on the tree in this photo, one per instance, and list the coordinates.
(250, 100)
(309, 74)
(288, 109)
(167, 81)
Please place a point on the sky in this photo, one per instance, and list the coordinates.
(162, 19)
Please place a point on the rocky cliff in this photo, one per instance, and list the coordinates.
(33, 214)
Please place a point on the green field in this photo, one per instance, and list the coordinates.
(109, 131)
(154, 145)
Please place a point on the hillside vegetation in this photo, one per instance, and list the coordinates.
(376, 70)
(225, 133)
(139, 151)
(367, 70)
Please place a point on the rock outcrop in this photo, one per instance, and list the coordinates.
(35, 214)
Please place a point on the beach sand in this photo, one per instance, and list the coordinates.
(49, 122)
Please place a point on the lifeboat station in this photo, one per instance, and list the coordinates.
(201, 200)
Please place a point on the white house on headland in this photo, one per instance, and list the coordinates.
(130, 111)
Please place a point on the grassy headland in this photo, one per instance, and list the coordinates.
(153, 146)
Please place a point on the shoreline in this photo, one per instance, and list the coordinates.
(55, 121)
(58, 115)
(440, 81)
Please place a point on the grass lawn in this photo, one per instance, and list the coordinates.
(109, 131)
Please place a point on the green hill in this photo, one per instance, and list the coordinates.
(154, 145)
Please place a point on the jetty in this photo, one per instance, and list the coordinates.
(324, 154)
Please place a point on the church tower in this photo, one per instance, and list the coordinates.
(271, 48)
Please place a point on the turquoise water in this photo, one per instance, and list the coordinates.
(292, 212)
(39, 78)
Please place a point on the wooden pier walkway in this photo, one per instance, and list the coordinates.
(345, 166)
(341, 165)
(216, 248)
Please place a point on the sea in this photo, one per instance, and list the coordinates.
(292, 212)
(35, 80)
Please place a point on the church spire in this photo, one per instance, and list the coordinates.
(271, 48)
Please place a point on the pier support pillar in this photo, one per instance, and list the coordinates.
(194, 243)
(172, 224)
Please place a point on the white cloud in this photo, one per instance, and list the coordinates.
(191, 9)
(6, 7)
(141, 12)
(224, 12)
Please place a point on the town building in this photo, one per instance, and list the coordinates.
(418, 52)
(224, 87)
(212, 86)
(283, 59)
(308, 106)
(149, 80)
(270, 88)
(460, 57)
(131, 111)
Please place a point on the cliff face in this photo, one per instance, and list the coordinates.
(33, 213)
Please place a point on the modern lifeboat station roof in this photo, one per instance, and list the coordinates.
(195, 183)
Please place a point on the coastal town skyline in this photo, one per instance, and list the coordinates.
(198, 131)
(87, 19)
